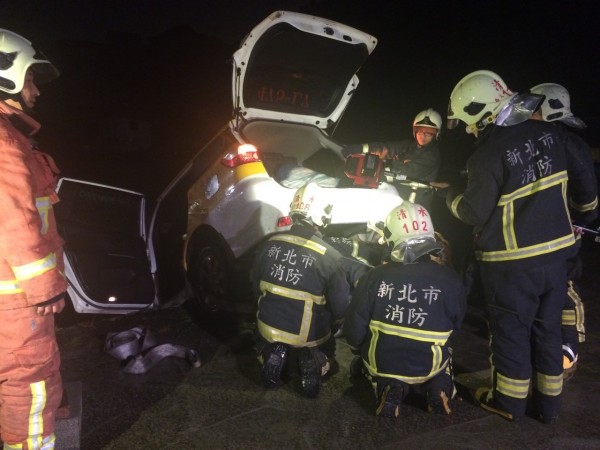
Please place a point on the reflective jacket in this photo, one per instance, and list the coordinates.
(401, 317)
(30, 247)
(302, 288)
(516, 195)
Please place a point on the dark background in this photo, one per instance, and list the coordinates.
(144, 83)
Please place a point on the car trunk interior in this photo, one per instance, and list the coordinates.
(305, 146)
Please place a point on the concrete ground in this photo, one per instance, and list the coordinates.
(221, 405)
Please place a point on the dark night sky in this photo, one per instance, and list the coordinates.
(424, 48)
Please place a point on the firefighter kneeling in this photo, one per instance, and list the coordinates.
(402, 314)
(303, 293)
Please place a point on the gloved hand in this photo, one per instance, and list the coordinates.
(441, 188)
(336, 325)
(53, 306)
(351, 150)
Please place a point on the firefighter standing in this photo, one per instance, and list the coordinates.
(303, 290)
(402, 315)
(32, 286)
(416, 159)
(556, 108)
(516, 199)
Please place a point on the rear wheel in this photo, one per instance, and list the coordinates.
(210, 275)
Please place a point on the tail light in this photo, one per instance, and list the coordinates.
(246, 153)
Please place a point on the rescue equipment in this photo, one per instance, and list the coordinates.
(140, 351)
(368, 170)
(364, 169)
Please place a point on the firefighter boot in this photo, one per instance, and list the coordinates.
(310, 372)
(438, 402)
(273, 365)
(484, 399)
(390, 400)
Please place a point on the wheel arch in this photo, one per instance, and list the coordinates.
(201, 235)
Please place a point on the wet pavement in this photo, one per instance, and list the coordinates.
(221, 405)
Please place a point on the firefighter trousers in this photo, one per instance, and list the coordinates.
(30, 381)
(524, 308)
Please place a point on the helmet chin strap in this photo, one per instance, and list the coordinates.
(478, 126)
(26, 109)
(487, 119)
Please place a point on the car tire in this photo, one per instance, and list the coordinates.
(209, 274)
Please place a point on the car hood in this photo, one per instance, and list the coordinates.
(298, 68)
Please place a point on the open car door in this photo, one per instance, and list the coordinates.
(107, 262)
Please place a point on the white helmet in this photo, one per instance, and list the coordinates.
(376, 225)
(309, 201)
(557, 104)
(428, 118)
(16, 56)
(409, 230)
(477, 99)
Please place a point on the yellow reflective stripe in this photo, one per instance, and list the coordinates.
(508, 230)
(43, 205)
(408, 380)
(454, 206)
(293, 294)
(372, 363)
(307, 315)
(18, 446)
(10, 287)
(36, 421)
(549, 384)
(437, 365)
(585, 207)
(43, 202)
(36, 268)
(49, 442)
(435, 337)
(579, 311)
(273, 334)
(527, 252)
(512, 387)
(506, 201)
(300, 241)
(532, 188)
(355, 249)
(568, 318)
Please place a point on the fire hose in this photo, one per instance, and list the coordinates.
(140, 351)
